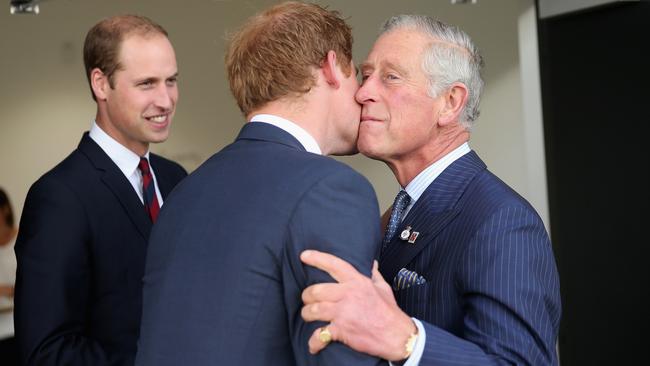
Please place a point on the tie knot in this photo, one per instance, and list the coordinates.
(144, 166)
(401, 201)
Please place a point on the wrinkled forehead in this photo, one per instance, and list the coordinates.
(399, 49)
(405, 48)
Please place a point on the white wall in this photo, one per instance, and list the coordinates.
(45, 103)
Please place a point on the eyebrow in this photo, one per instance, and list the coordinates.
(385, 64)
(151, 79)
(396, 67)
(146, 80)
(365, 66)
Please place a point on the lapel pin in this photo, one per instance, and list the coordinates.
(406, 233)
(413, 237)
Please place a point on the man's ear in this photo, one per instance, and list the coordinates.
(331, 70)
(454, 100)
(99, 83)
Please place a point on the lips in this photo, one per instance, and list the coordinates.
(370, 119)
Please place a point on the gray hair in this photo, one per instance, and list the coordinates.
(454, 58)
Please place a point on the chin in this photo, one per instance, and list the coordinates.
(158, 138)
(346, 152)
(367, 151)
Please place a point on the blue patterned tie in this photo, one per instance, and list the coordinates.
(401, 201)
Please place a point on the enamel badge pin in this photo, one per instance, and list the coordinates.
(408, 235)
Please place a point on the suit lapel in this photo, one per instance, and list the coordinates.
(115, 180)
(165, 183)
(434, 210)
(400, 252)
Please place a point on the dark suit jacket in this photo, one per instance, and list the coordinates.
(223, 279)
(492, 290)
(81, 253)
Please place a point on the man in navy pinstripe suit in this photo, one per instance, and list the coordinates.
(468, 277)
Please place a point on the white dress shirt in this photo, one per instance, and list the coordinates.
(415, 188)
(305, 139)
(126, 160)
(423, 180)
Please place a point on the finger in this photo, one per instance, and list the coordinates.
(384, 289)
(323, 292)
(323, 311)
(339, 269)
(315, 343)
(378, 279)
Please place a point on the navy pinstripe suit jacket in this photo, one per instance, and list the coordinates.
(492, 291)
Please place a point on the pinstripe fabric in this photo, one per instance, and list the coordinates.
(492, 290)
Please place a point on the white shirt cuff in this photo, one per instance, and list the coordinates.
(418, 349)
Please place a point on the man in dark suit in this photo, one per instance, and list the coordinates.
(85, 225)
(223, 276)
(467, 258)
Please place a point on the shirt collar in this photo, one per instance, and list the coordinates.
(420, 183)
(305, 139)
(126, 160)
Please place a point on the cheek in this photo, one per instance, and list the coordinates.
(371, 133)
(173, 94)
(402, 107)
(419, 116)
(130, 101)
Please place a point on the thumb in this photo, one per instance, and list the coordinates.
(384, 289)
(376, 276)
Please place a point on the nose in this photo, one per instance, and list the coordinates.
(166, 97)
(366, 92)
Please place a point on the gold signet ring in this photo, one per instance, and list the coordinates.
(324, 335)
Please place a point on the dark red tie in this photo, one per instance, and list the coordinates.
(149, 190)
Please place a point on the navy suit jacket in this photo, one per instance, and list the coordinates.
(492, 291)
(81, 252)
(223, 279)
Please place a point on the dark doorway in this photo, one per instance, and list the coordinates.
(596, 103)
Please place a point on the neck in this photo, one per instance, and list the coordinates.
(406, 168)
(303, 113)
(137, 147)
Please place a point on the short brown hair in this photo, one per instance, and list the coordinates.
(275, 51)
(103, 41)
